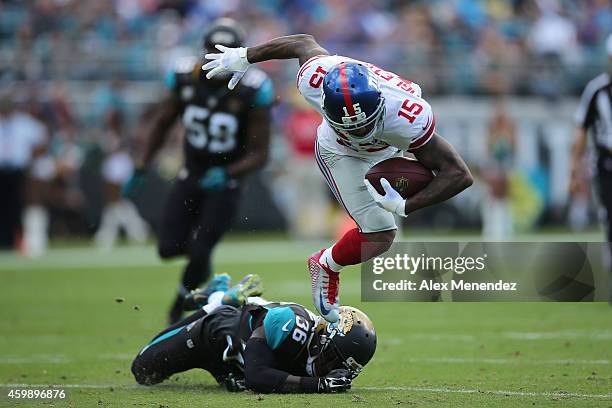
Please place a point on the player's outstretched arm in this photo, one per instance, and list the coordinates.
(237, 60)
(300, 46)
(452, 174)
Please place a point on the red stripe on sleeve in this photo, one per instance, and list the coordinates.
(425, 137)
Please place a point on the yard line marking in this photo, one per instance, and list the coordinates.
(560, 394)
(605, 335)
(517, 360)
(63, 359)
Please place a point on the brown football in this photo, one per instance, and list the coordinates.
(407, 176)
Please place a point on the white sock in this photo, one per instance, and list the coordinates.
(35, 227)
(327, 260)
(214, 301)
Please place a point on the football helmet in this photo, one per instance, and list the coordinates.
(224, 31)
(350, 344)
(352, 102)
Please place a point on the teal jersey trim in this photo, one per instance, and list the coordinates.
(264, 95)
(161, 338)
(170, 80)
(278, 323)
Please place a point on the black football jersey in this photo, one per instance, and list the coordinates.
(288, 328)
(215, 118)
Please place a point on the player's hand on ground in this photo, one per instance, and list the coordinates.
(234, 383)
(229, 60)
(338, 380)
(134, 185)
(392, 201)
(214, 179)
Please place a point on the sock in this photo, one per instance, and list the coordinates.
(347, 251)
(214, 301)
(328, 260)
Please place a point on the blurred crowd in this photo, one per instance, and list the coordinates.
(466, 46)
(82, 75)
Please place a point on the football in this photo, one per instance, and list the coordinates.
(407, 176)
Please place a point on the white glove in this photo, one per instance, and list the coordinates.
(392, 201)
(229, 60)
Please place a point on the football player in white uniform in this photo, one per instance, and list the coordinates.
(369, 115)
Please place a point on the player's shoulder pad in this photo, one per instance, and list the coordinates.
(182, 66)
(261, 85)
(254, 78)
(321, 62)
(278, 323)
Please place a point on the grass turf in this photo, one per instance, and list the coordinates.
(60, 324)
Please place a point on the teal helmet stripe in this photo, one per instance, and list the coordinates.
(278, 323)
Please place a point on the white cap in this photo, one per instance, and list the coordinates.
(609, 45)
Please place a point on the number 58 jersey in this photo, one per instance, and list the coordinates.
(409, 122)
(215, 119)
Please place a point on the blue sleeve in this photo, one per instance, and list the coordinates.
(170, 80)
(264, 95)
(278, 323)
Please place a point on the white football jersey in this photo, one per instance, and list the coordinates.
(409, 122)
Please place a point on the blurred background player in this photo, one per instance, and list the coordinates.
(226, 137)
(118, 213)
(247, 342)
(369, 115)
(22, 139)
(496, 211)
(594, 115)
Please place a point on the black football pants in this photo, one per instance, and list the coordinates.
(198, 341)
(11, 206)
(193, 222)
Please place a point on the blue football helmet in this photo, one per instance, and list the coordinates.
(352, 102)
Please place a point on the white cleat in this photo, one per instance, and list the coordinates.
(325, 284)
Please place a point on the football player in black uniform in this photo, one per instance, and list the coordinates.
(263, 346)
(226, 136)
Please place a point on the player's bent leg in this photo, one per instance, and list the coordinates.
(179, 214)
(375, 233)
(216, 214)
(172, 351)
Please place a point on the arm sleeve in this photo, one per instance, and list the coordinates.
(424, 130)
(260, 374)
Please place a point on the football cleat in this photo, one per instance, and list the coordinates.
(324, 284)
(199, 297)
(237, 295)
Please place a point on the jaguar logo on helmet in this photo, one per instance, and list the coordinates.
(345, 323)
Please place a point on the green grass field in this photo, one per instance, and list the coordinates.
(60, 325)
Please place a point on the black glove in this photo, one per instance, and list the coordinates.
(338, 380)
(234, 383)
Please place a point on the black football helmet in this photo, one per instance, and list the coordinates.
(224, 31)
(350, 344)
